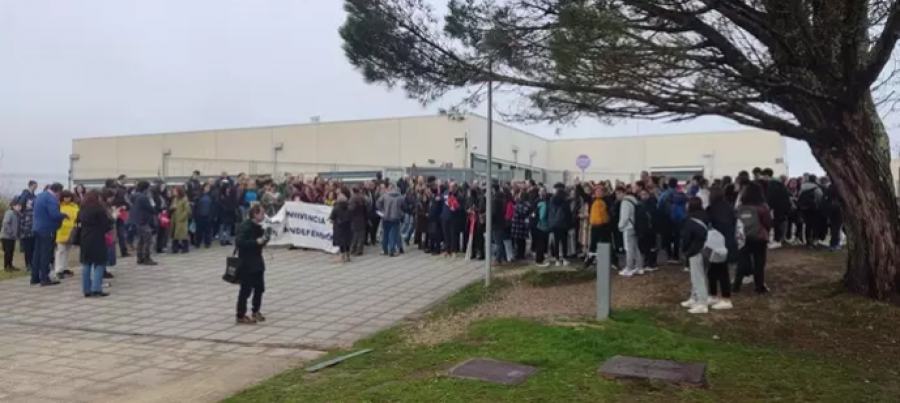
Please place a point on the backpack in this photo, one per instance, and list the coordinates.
(752, 227)
(557, 217)
(676, 204)
(643, 223)
(714, 248)
(806, 201)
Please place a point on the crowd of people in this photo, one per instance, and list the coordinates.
(530, 223)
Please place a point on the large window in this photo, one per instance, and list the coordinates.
(683, 174)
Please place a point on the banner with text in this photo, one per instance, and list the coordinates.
(303, 225)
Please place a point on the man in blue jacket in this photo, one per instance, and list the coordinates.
(47, 219)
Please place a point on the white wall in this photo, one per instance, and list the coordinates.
(730, 153)
(506, 139)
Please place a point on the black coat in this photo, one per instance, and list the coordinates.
(341, 220)
(359, 212)
(723, 219)
(693, 234)
(249, 250)
(95, 223)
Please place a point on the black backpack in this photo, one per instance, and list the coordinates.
(643, 222)
(806, 201)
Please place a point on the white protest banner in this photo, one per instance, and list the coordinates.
(303, 225)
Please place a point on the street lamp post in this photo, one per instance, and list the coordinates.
(275, 150)
(489, 197)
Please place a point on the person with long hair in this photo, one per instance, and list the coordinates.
(180, 213)
(96, 223)
(757, 220)
(722, 219)
(78, 193)
(250, 240)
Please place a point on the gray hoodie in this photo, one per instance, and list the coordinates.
(812, 187)
(391, 205)
(10, 225)
(626, 214)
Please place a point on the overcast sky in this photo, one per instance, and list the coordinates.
(84, 68)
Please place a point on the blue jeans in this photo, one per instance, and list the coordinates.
(500, 255)
(390, 241)
(407, 229)
(40, 260)
(224, 232)
(91, 278)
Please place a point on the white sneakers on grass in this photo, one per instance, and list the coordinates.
(775, 245)
(713, 303)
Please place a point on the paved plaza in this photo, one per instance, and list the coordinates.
(167, 333)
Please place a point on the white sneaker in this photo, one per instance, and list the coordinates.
(712, 300)
(543, 264)
(689, 303)
(639, 272)
(651, 269)
(722, 305)
(687, 269)
(747, 280)
(699, 308)
(775, 245)
(626, 273)
(558, 263)
(565, 262)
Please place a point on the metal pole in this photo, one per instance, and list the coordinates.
(489, 197)
(604, 289)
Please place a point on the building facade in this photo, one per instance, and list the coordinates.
(431, 144)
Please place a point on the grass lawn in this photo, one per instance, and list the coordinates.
(823, 347)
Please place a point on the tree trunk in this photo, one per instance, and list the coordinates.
(858, 163)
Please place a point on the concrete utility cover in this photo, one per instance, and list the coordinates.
(499, 372)
(691, 373)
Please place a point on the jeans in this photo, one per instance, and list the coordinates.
(358, 242)
(633, 258)
(671, 240)
(560, 244)
(500, 255)
(251, 283)
(27, 245)
(40, 261)
(390, 241)
(224, 232)
(406, 230)
(698, 278)
(539, 240)
(451, 236)
(602, 234)
(92, 278)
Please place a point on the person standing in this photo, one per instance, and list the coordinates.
(180, 213)
(722, 218)
(28, 194)
(249, 242)
(809, 202)
(358, 214)
(143, 215)
(341, 222)
(757, 220)
(694, 233)
(778, 198)
(47, 220)
(10, 234)
(96, 223)
(227, 208)
(203, 215)
(63, 236)
(390, 205)
(628, 216)
(560, 222)
(26, 232)
(647, 242)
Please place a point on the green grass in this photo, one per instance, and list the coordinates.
(537, 278)
(470, 296)
(568, 357)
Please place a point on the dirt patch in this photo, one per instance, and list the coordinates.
(806, 309)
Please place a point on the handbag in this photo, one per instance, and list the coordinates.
(75, 236)
(232, 269)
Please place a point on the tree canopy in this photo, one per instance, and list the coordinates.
(772, 64)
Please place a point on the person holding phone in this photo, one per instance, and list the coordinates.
(250, 240)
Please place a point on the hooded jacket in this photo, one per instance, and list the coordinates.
(812, 187)
(626, 213)
(778, 197)
(391, 205)
(693, 234)
(722, 218)
(560, 211)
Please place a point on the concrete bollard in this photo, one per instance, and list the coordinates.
(604, 281)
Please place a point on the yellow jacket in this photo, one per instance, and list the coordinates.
(71, 210)
(599, 212)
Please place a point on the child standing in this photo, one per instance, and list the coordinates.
(9, 235)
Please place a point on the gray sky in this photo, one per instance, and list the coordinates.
(104, 67)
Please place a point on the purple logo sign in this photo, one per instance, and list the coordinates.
(583, 162)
